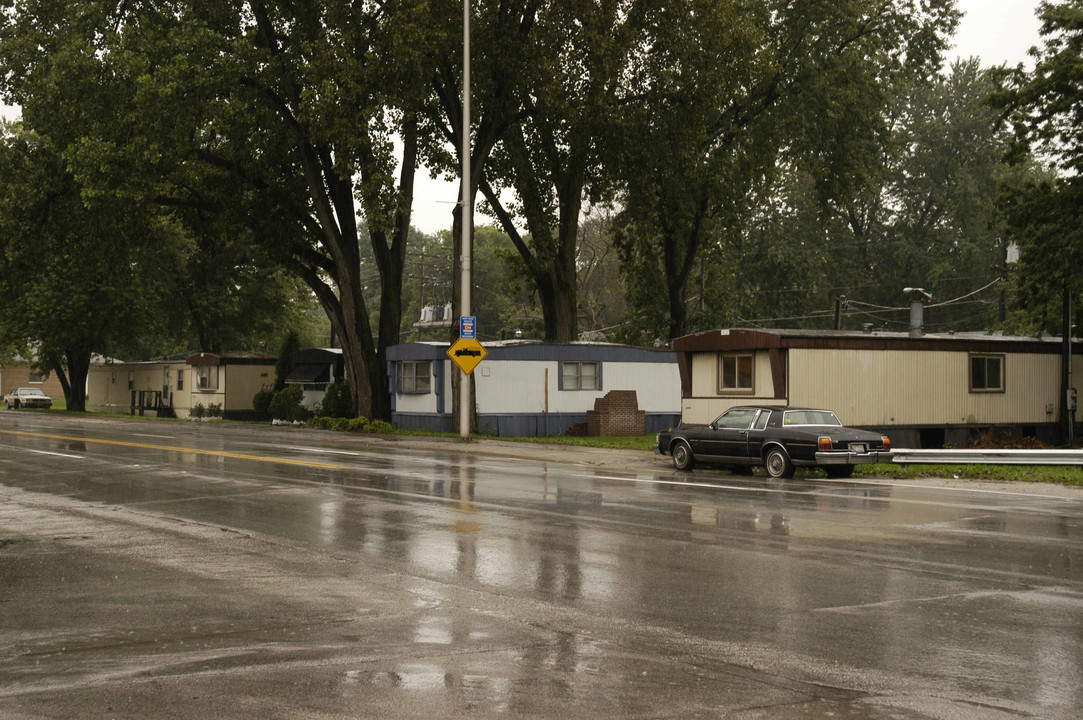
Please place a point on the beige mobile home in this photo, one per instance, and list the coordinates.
(923, 391)
(115, 387)
(229, 380)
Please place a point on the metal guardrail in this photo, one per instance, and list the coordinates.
(987, 457)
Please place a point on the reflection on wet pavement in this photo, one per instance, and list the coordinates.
(430, 582)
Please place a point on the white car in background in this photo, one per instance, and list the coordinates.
(27, 398)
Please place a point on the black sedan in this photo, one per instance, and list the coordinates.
(779, 438)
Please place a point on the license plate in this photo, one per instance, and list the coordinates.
(857, 447)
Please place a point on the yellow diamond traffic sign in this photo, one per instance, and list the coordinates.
(467, 353)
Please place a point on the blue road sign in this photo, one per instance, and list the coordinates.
(468, 327)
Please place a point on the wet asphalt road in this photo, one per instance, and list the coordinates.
(184, 570)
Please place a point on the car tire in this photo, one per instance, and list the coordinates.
(683, 459)
(17, 404)
(778, 463)
(840, 471)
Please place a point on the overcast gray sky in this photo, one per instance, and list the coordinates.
(997, 31)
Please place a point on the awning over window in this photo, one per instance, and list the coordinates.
(308, 373)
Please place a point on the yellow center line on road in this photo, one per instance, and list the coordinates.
(173, 448)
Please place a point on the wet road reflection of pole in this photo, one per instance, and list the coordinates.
(466, 526)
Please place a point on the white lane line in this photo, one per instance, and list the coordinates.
(46, 452)
(160, 437)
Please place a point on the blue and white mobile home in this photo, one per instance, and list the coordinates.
(528, 388)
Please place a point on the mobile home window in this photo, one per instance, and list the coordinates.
(986, 373)
(180, 379)
(206, 377)
(579, 375)
(415, 377)
(36, 378)
(735, 373)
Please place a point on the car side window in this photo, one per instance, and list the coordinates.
(761, 421)
(736, 419)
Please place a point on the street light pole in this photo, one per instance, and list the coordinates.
(465, 401)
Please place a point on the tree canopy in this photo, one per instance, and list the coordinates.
(1045, 109)
(748, 161)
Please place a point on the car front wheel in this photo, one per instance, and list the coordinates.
(682, 457)
(778, 463)
(17, 404)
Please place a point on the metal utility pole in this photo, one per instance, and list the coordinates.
(1066, 399)
(465, 400)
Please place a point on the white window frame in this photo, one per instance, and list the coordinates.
(418, 381)
(207, 377)
(572, 376)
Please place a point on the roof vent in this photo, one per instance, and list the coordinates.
(866, 328)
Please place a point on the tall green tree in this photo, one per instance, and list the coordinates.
(281, 114)
(925, 214)
(1045, 109)
(75, 279)
(567, 95)
(728, 87)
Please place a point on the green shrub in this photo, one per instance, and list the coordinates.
(197, 411)
(381, 426)
(261, 403)
(214, 410)
(338, 400)
(327, 423)
(287, 405)
(358, 424)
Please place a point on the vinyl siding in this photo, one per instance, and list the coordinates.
(932, 388)
(511, 386)
(707, 403)
(240, 383)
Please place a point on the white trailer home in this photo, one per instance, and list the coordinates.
(924, 391)
(528, 388)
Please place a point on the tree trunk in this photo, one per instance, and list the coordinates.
(74, 382)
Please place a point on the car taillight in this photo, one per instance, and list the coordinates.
(887, 442)
(824, 442)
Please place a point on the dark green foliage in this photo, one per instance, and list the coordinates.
(287, 405)
(356, 424)
(261, 403)
(290, 344)
(337, 401)
(77, 275)
(1045, 108)
(730, 103)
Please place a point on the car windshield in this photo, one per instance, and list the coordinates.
(31, 391)
(810, 417)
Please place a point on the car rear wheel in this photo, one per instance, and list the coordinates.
(682, 456)
(778, 463)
